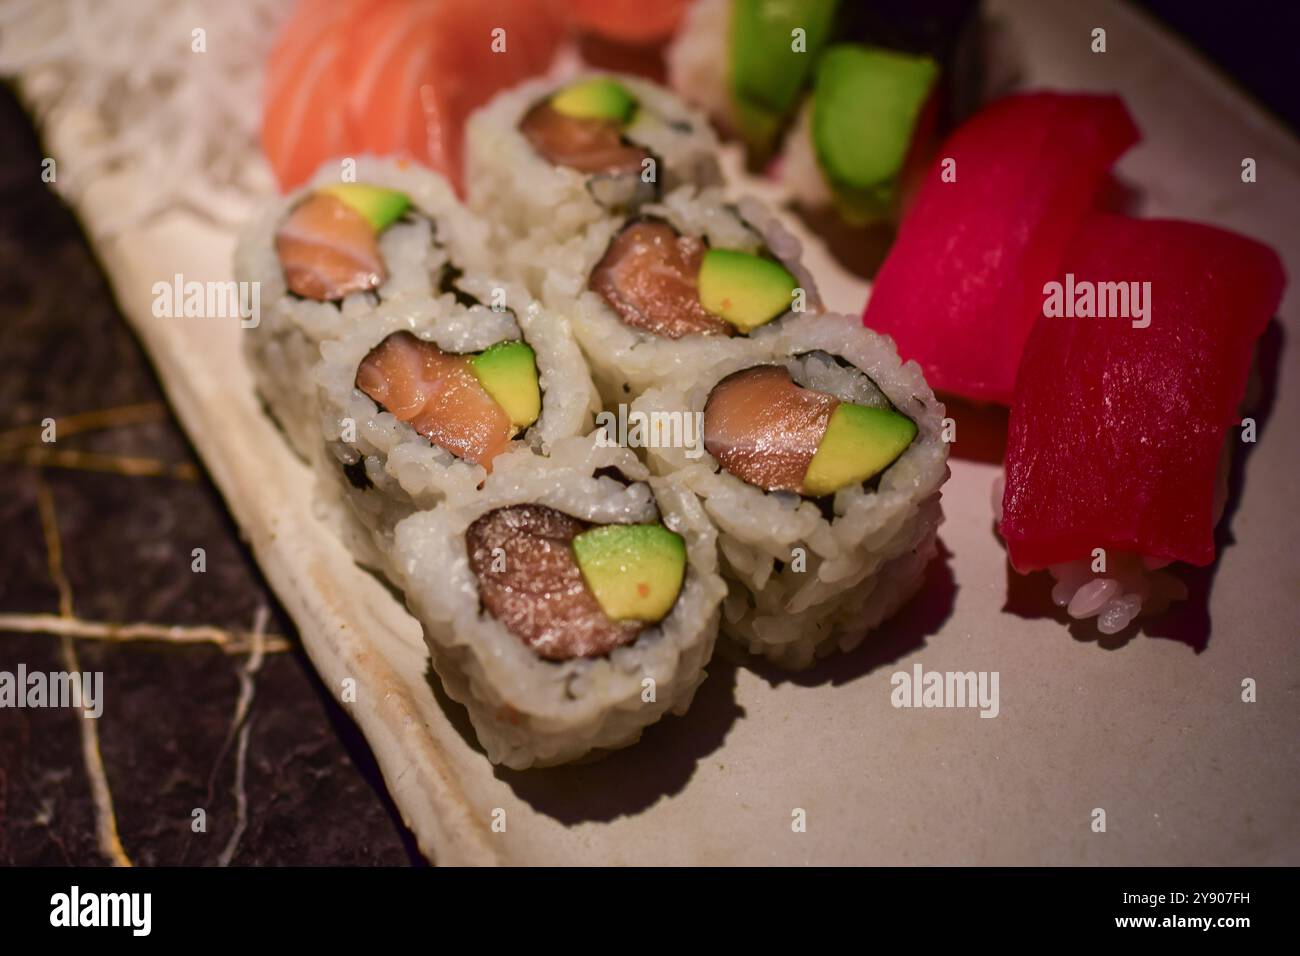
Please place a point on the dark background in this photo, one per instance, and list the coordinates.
(1256, 43)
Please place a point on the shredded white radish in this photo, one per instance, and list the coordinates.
(184, 120)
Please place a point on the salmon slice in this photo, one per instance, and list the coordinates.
(587, 145)
(304, 121)
(534, 586)
(438, 395)
(394, 77)
(764, 428)
(649, 276)
(328, 250)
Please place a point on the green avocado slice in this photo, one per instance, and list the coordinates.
(635, 571)
(767, 74)
(381, 207)
(866, 108)
(508, 372)
(745, 289)
(860, 442)
(598, 98)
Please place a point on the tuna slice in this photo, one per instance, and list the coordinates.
(962, 286)
(1116, 432)
(536, 590)
(649, 276)
(328, 250)
(764, 428)
(587, 145)
(438, 395)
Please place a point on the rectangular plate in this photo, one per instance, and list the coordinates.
(1153, 732)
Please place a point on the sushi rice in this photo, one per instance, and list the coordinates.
(864, 560)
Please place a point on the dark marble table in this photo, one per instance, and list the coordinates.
(209, 701)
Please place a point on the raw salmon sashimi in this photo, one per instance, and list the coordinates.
(394, 77)
(1117, 428)
(304, 120)
(438, 395)
(962, 286)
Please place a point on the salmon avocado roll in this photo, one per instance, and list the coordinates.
(677, 288)
(388, 349)
(362, 233)
(821, 465)
(569, 604)
(421, 398)
(547, 160)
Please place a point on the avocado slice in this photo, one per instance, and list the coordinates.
(745, 289)
(767, 75)
(859, 442)
(508, 372)
(867, 105)
(599, 98)
(381, 207)
(635, 571)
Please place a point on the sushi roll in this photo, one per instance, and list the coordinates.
(821, 465)
(844, 96)
(391, 358)
(676, 288)
(568, 605)
(417, 402)
(548, 160)
(327, 255)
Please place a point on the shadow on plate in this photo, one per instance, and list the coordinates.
(981, 430)
(621, 782)
(627, 781)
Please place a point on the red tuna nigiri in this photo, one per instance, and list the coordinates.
(394, 77)
(962, 286)
(1116, 431)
